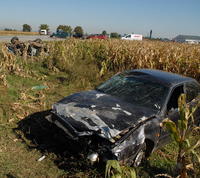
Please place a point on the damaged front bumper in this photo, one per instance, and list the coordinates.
(97, 148)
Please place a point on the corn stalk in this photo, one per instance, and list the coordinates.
(182, 133)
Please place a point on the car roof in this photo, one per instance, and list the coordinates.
(165, 78)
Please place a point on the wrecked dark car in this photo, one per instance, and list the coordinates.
(121, 119)
(31, 48)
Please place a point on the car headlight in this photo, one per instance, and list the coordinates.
(93, 157)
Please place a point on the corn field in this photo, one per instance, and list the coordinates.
(114, 55)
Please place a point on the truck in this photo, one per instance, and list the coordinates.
(132, 37)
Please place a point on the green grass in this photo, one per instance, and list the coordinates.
(25, 136)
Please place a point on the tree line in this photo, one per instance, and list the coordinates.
(77, 31)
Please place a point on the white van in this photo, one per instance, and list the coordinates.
(132, 37)
(43, 32)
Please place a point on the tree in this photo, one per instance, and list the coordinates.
(65, 28)
(104, 32)
(78, 31)
(44, 27)
(114, 35)
(26, 28)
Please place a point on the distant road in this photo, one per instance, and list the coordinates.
(28, 37)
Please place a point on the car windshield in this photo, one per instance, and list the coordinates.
(135, 90)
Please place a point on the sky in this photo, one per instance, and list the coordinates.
(166, 18)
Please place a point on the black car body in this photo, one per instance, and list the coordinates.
(121, 118)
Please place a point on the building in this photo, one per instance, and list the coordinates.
(187, 39)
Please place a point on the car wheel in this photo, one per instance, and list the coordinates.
(139, 158)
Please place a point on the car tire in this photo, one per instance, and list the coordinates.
(140, 156)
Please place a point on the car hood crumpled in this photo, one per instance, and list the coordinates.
(95, 111)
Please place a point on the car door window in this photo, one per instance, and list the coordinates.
(192, 90)
(173, 101)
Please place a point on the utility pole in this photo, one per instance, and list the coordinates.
(150, 36)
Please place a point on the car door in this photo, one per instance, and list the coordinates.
(192, 92)
(171, 112)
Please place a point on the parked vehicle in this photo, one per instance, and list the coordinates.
(121, 119)
(97, 36)
(43, 32)
(132, 37)
(60, 34)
